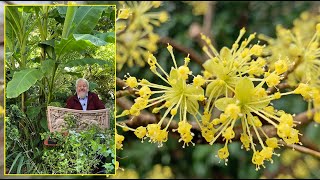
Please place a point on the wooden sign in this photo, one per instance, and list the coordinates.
(64, 118)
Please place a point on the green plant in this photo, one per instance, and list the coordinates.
(80, 152)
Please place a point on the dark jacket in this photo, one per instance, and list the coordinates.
(94, 102)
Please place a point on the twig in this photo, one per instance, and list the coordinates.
(124, 103)
(193, 55)
(122, 93)
(308, 143)
(272, 90)
(303, 149)
(120, 83)
(303, 117)
(207, 20)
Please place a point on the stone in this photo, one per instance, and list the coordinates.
(78, 120)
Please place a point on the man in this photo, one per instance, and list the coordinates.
(84, 99)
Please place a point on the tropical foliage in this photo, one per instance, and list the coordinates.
(47, 48)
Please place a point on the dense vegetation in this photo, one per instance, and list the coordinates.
(47, 49)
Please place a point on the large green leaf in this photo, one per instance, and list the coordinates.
(69, 46)
(22, 81)
(94, 40)
(46, 66)
(13, 19)
(67, 25)
(86, 18)
(85, 61)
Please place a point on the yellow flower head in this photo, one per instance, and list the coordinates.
(119, 139)
(177, 96)
(253, 109)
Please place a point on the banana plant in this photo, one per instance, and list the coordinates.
(19, 25)
(76, 37)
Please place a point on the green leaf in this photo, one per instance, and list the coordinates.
(94, 40)
(33, 112)
(86, 18)
(92, 85)
(20, 164)
(244, 90)
(22, 81)
(73, 74)
(67, 26)
(15, 161)
(46, 67)
(222, 103)
(62, 10)
(47, 43)
(108, 37)
(56, 104)
(70, 45)
(85, 61)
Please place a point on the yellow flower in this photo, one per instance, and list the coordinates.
(199, 7)
(223, 69)
(176, 97)
(140, 132)
(124, 13)
(160, 172)
(223, 153)
(119, 139)
(1, 110)
(133, 47)
(299, 46)
(135, 37)
(253, 108)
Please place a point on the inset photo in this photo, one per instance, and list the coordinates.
(59, 89)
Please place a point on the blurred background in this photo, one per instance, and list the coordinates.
(221, 21)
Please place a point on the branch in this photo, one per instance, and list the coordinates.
(303, 117)
(193, 55)
(146, 118)
(272, 90)
(303, 149)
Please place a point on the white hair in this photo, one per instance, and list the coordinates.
(82, 79)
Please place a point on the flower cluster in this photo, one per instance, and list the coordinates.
(199, 7)
(237, 82)
(135, 36)
(229, 77)
(176, 97)
(300, 48)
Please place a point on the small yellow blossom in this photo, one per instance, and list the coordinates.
(124, 13)
(119, 139)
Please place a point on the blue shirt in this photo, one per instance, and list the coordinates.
(83, 102)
